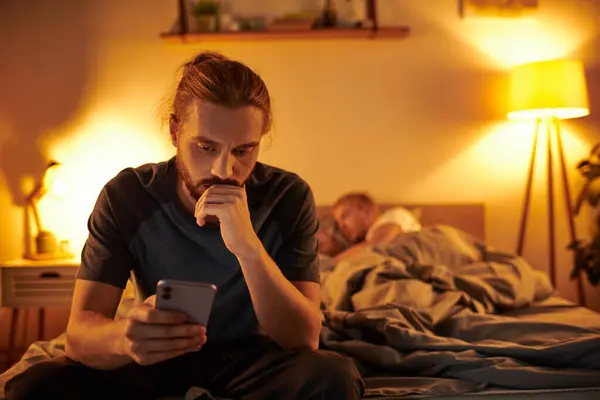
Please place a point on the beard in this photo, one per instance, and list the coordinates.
(197, 188)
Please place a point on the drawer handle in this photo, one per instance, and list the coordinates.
(49, 275)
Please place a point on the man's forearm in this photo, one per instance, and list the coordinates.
(285, 314)
(351, 251)
(95, 341)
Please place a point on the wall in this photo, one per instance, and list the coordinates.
(417, 120)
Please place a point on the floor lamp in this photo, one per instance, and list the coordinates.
(547, 92)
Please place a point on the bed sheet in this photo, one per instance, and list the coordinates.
(498, 394)
(407, 387)
(553, 309)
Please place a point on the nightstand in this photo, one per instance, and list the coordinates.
(28, 284)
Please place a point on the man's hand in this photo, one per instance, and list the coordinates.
(230, 205)
(152, 335)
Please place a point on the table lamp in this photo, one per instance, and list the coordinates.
(45, 242)
(547, 92)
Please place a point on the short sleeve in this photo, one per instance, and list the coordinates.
(298, 256)
(105, 257)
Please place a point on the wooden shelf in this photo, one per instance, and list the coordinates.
(399, 32)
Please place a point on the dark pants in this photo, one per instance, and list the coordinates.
(256, 368)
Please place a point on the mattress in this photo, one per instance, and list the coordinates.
(571, 394)
(558, 394)
(378, 384)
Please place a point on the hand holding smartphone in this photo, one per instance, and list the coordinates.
(168, 324)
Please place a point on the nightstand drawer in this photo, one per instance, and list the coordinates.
(37, 286)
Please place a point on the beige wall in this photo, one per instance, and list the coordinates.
(417, 120)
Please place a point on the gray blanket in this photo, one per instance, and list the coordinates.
(438, 303)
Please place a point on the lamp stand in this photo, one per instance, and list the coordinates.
(553, 129)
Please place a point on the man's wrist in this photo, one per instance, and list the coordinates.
(119, 348)
(256, 253)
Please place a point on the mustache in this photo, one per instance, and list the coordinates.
(218, 181)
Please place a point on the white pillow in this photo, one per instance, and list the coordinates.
(399, 216)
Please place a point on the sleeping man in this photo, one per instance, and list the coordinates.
(362, 223)
(211, 214)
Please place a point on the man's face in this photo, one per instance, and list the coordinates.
(216, 145)
(353, 221)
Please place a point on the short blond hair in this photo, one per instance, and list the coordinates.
(358, 199)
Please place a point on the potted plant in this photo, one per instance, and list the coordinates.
(206, 13)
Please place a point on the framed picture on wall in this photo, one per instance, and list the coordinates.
(497, 8)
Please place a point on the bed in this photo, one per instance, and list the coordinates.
(438, 314)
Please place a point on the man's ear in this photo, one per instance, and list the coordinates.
(174, 129)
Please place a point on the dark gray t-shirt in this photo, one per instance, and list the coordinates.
(138, 227)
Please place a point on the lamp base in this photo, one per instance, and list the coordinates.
(46, 249)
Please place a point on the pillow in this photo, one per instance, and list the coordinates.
(406, 219)
(417, 212)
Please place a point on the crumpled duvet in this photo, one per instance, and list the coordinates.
(438, 303)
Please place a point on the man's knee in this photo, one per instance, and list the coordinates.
(329, 374)
(43, 380)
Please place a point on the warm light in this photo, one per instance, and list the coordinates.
(55, 182)
(492, 178)
(515, 41)
(97, 148)
(549, 89)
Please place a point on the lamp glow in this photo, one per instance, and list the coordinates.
(54, 181)
(549, 89)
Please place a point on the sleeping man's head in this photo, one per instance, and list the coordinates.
(354, 214)
(219, 114)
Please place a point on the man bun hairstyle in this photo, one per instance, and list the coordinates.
(216, 79)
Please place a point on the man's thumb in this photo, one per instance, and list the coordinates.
(151, 301)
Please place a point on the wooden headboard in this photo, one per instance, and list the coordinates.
(466, 217)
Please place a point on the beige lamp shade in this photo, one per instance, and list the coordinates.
(549, 89)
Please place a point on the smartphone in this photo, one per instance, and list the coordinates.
(192, 298)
